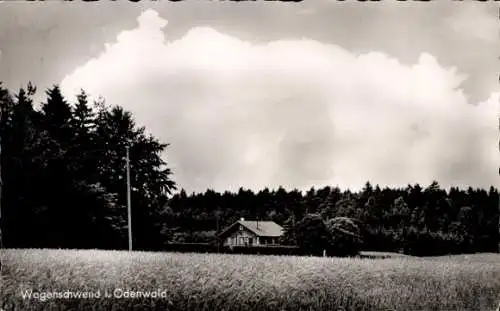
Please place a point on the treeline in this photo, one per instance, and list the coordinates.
(415, 220)
(63, 173)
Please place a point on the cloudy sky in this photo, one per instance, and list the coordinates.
(263, 94)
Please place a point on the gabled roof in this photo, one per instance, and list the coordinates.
(259, 228)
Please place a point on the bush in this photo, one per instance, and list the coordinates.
(312, 235)
(346, 237)
(253, 250)
(268, 250)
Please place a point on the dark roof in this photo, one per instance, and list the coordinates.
(260, 228)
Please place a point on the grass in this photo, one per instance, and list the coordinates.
(237, 282)
(381, 255)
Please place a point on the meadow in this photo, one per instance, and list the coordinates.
(244, 282)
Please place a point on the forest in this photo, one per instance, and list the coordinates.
(64, 186)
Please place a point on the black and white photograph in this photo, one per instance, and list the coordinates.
(249, 155)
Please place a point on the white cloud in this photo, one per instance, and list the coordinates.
(293, 112)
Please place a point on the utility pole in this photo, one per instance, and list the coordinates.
(1, 220)
(218, 238)
(129, 203)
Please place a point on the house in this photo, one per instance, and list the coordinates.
(252, 233)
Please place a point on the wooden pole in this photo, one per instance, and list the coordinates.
(1, 186)
(129, 209)
(218, 238)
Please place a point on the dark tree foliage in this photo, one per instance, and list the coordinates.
(415, 220)
(64, 174)
(312, 234)
(64, 185)
(346, 239)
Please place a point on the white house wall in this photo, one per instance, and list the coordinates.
(239, 237)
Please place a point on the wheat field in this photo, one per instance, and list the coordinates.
(114, 280)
